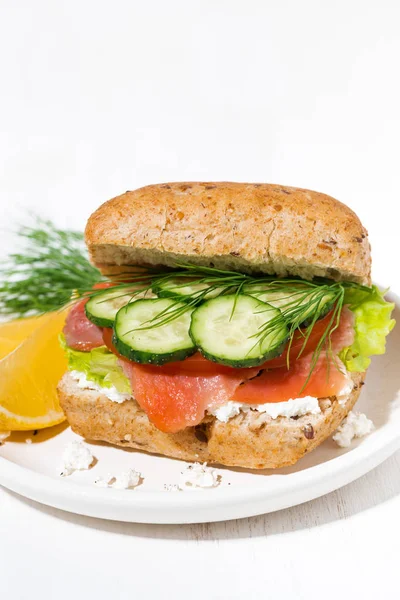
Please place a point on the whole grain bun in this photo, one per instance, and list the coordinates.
(253, 228)
(252, 440)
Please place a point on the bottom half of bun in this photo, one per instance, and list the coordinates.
(250, 439)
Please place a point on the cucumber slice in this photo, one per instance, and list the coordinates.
(136, 337)
(102, 308)
(287, 300)
(185, 287)
(226, 332)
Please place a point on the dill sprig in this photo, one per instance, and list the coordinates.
(51, 266)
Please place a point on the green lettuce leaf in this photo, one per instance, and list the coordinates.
(99, 366)
(372, 324)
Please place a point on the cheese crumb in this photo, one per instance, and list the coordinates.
(104, 482)
(28, 441)
(355, 425)
(171, 487)
(295, 407)
(111, 392)
(127, 480)
(198, 476)
(3, 436)
(76, 457)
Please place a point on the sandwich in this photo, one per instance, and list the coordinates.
(234, 323)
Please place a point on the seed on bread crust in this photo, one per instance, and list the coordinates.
(309, 431)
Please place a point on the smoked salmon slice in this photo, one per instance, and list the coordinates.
(174, 400)
(279, 385)
(80, 333)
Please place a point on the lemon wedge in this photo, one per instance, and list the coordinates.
(7, 346)
(30, 369)
(20, 329)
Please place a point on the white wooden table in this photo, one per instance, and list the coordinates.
(100, 97)
(344, 545)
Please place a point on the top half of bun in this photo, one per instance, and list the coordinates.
(251, 228)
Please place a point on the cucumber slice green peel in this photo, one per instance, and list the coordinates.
(186, 289)
(102, 307)
(300, 301)
(223, 329)
(153, 331)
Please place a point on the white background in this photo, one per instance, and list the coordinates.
(100, 97)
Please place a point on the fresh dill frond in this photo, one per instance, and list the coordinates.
(51, 266)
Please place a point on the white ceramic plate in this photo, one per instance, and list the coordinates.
(32, 470)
